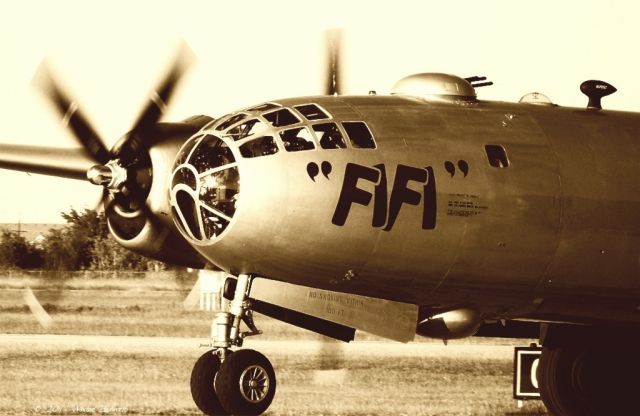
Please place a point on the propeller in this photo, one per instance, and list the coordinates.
(333, 70)
(159, 98)
(125, 170)
(72, 116)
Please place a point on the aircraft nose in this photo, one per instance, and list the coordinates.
(204, 188)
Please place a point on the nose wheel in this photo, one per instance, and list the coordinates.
(202, 384)
(246, 383)
(227, 382)
(243, 384)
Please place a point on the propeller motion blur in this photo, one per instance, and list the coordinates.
(425, 211)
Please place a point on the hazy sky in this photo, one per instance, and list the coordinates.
(109, 55)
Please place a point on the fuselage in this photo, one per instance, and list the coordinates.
(518, 210)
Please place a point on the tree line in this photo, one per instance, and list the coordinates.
(84, 243)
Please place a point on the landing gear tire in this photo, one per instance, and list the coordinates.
(246, 383)
(578, 381)
(203, 391)
(559, 379)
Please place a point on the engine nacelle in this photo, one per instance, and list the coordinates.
(157, 241)
(453, 324)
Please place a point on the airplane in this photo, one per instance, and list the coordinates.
(426, 211)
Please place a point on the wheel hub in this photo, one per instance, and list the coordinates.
(254, 384)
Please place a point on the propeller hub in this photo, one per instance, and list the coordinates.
(111, 175)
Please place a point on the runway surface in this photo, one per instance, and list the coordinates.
(37, 342)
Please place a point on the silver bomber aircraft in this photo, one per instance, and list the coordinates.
(424, 211)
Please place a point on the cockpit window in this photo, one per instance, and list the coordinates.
(359, 135)
(218, 198)
(186, 176)
(297, 139)
(262, 146)
(186, 151)
(212, 222)
(205, 188)
(312, 112)
(188, 212)
(211, 153)
(246, 129)
(281, 118)
(231, 121)
(329, 136)
(264, 107)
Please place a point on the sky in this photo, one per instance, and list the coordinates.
(109, 55)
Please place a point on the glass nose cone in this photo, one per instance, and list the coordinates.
(204, 188)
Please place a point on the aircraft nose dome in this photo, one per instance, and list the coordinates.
(435, 87)
(205, 187)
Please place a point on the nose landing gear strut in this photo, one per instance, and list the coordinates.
(227, 382)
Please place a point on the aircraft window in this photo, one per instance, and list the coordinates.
(211, 153)
(246, 129)
(186, 150)
(359, 134)
(262, 146)
(281, 118)
(231, 121)
(297, 139)
(188, 208)
(330, 136)
(211, 123)
(312, 112)
(213, 224)
(218, 195)
(264, 107)
(186, 176)
(497, 156)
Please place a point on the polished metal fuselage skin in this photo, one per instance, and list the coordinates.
(554, 236)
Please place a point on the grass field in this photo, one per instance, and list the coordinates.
(469, 377)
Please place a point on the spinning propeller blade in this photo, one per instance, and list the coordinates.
(139, 138)
(66, 163)
(72, 116)
(333, 69)
(160, 97)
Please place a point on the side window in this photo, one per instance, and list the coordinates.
(297, 139)
(262, 146)
(329, 136)
(359, 134)
(497, 156)
(312, 112)
(186, 151)
(281, 118)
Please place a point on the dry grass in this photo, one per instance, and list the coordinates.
(71, 380)
(149, 383)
